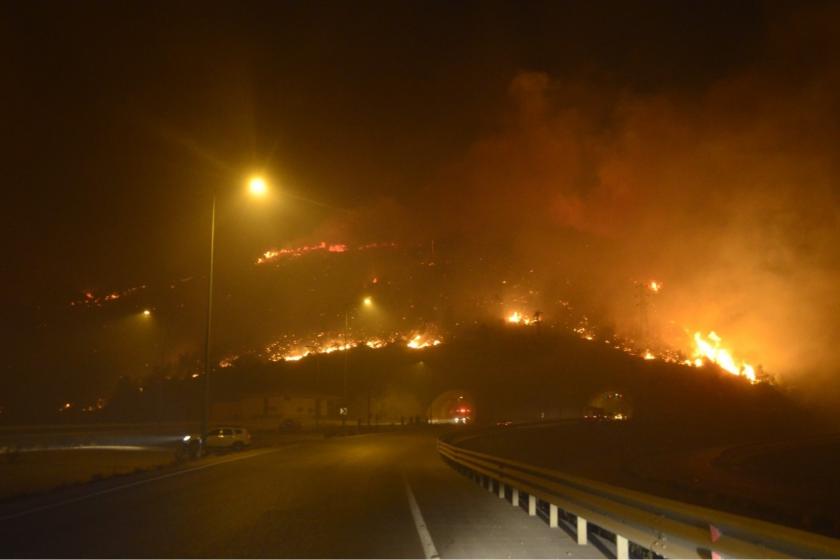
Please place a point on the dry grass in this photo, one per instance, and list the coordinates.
(40, 471)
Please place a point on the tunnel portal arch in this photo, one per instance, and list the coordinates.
(452, 407)
(612, 404)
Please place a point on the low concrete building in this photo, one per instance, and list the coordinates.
(278, 410)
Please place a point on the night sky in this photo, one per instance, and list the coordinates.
(641, 130)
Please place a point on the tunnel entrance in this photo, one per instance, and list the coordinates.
(452, 407)
(609, 405)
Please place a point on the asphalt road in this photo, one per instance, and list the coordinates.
(369, 496)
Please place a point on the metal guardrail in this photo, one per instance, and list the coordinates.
(667, 527)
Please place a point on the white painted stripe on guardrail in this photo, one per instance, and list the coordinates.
(422, 531)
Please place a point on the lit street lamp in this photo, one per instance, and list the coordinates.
(258, 187)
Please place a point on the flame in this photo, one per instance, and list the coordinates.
(419, 341)
(517, 318)
(709, 348)
(655, 286)
(648, 355)
(293, 349)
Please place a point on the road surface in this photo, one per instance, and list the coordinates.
(386, 495)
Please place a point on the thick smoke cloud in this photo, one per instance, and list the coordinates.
(728, 195)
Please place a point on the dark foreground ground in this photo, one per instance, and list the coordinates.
(790, 480)
(339, 497)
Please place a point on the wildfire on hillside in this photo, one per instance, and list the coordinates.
(273, 255)
(705, 349)
(294, 349)
(709, 348)
(91, 299)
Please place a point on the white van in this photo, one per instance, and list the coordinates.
(227, 437)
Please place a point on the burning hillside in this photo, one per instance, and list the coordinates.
(293, 348)
(400, 283)
(275, 255)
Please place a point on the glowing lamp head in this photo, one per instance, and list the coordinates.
(368, 301)
(257, 186)
(146, 313)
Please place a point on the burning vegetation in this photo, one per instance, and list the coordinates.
(275, 255)
(293, 348)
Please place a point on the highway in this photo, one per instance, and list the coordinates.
(371, 496)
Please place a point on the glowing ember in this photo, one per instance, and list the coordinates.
(655, 286)
(228, 361)
(648, 355)
(584, 332)
(709, 348)
(515, 318)
(98, 405)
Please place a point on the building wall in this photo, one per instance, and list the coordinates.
(304, 410)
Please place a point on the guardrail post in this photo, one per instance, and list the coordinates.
(552, 515)
(501, 490)
(622, 547)
(581, 530)
(754, 540)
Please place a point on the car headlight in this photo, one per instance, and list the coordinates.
(186, 438)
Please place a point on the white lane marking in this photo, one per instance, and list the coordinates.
(422, 531)
(131, 485)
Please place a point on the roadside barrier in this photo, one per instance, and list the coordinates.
(666, 527)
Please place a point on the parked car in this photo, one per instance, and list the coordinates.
(227, 437)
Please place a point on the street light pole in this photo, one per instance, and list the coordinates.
(205, 407)
(346, 351)
(367, 301)
(258, 188)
